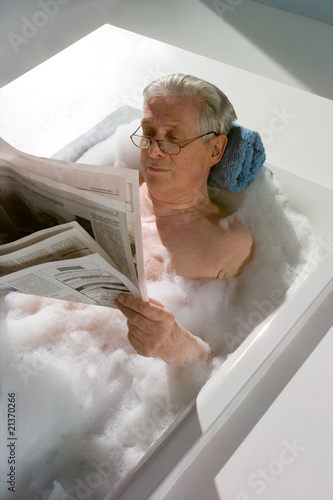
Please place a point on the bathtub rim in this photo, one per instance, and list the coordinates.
(257, 352)
(320, 284)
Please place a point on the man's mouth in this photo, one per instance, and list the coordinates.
(157, 168)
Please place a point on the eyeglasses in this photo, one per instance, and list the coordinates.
(167, 147)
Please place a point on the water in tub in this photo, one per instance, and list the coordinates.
(87, 407)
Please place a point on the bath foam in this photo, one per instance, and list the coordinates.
(116, 150)
(89, 407)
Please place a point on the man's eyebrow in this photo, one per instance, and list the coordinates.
(145, 121)
(169, 126)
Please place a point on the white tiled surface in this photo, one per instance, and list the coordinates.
(274, 43)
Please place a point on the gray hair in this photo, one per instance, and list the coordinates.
(216, 112)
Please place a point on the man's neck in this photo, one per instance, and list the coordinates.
(154, 208)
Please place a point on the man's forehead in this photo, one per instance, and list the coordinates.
(173, 111)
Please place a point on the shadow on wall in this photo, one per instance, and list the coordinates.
(322, 10)
(294, 42)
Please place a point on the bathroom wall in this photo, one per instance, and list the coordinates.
(275, 43)
(322, 10)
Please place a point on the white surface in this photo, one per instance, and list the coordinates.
(245, 368)
(288, 455)
(48, 107)
(194, 475)
(59, 100)
(56, 102)
(270, 42)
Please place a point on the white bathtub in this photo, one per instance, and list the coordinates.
(287, 324)
(235, 398)
(40, 116)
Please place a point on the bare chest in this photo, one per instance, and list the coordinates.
(192, 251)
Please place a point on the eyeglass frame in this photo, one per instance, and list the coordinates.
(160, 141)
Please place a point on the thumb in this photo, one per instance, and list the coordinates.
(155, 302)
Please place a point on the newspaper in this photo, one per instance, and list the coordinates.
(47, 200)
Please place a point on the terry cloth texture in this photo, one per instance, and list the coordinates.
(242, 159)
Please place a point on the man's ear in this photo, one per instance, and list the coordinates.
(219, 143)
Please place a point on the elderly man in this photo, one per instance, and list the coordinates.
(183, 134)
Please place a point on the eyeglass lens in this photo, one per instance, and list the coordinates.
(165, 146)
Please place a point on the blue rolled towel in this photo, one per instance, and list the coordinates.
(241, 161)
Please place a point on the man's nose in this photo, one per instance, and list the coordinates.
(155, 151)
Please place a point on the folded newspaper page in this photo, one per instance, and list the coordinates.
(63, 263)
(39, 196)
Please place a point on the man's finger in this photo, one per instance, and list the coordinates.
(151, 309)
(143, 323)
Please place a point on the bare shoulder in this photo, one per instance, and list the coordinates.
(238, 245)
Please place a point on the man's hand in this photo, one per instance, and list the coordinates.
(153, 331)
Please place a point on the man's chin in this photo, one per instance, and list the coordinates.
(157, 176)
